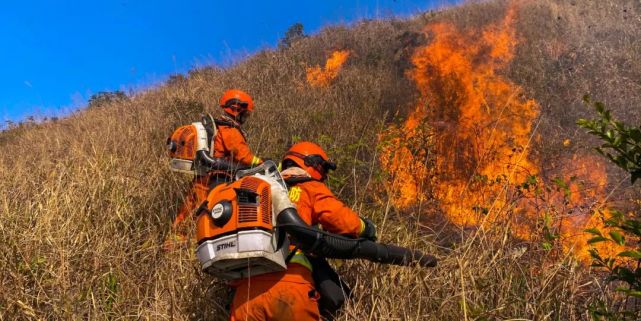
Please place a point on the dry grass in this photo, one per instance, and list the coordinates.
(86, 201)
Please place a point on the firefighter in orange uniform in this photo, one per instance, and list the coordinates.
(291, 295)
(229, 143)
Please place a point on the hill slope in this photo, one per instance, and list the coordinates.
(86, 202)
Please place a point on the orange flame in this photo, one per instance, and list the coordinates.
(405, 157)
(322, 77)
(483, 126)
(572, 202)
(478, 127)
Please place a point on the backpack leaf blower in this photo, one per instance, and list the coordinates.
(191, 146)
(243, 229)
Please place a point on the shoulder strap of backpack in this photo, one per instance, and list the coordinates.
(230, 123)
(211, 127)
(291, 181)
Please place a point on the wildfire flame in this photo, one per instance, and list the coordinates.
(478, 127)
(569, 204)
(322, 77)
(405, 157)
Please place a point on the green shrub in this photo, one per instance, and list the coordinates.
(622, 145)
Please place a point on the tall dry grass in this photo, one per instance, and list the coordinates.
(86, 202)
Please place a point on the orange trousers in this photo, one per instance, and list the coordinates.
(199, 190)
(281, 296)
(198, 193)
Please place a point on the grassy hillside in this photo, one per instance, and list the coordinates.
(86, 201)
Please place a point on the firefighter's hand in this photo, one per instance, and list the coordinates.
(369, 231)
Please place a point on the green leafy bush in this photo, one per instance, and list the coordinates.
(622, 145)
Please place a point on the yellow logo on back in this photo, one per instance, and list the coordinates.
(294, 194)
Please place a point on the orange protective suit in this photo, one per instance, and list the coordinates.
(229, 143)
(316, 204)
(199, 190)
(287, 295)
(279, 296)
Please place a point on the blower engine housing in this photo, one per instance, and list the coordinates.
(235, 227)
(185, 144)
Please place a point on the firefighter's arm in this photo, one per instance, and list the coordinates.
(336, 217)
(240, 150)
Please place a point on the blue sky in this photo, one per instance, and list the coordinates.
(55, 54)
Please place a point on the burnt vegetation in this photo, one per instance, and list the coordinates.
(86, 201)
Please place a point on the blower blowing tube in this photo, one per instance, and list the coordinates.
(314, 241)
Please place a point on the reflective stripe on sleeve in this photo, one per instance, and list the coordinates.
(300, 258)
(255, 161)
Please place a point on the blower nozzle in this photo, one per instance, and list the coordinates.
(328, 245)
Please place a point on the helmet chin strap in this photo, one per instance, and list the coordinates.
(232, 117)
(322, 173)
(242, 117)
(242, 114)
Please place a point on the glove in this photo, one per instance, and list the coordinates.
(369, 232)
